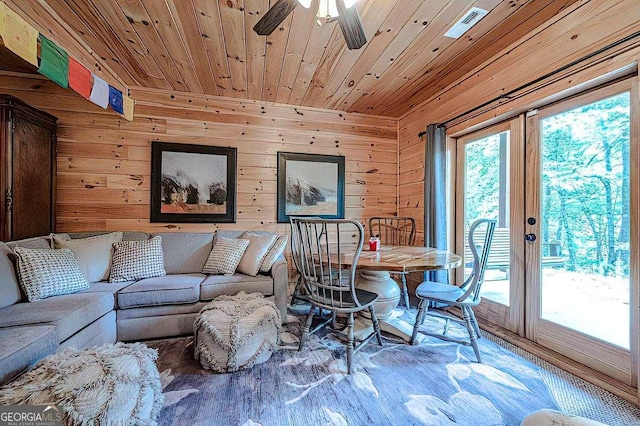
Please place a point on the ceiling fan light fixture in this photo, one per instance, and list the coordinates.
(327, 11)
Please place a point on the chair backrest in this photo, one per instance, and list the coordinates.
(474, 281)
(326, 253)
(393, 230)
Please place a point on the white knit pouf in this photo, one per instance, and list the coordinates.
(236, 332)
(103, 385)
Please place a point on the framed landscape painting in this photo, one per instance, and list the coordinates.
(192, 183)
(310, 185)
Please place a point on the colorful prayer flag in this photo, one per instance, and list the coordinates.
(19, 37)
(54, 62)
(99, 92)
(115, 99)
(127, 104)
(79, 78)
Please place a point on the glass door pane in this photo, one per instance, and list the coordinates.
(584, 226)
(486, 183)
(490, 185)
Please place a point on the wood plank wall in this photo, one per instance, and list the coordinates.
(104, 161)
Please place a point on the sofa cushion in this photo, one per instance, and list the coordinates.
(225, 256)
(93, 254)
(9, 288)
(44, 273)
(69, 313)
(185, 252)
(274, 253)
(21, 347)
(136, 260)
(258, 248)
(166, 290)
(216, 285)
(106, 287)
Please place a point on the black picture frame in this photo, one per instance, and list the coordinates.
(179, 175)
(320, 177)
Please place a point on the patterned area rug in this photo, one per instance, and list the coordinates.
(433, 383)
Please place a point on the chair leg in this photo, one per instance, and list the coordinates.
(472, 333)
(447, 323)
(474, 321)
(376, 325)
(307, 327)
(422, 311)
(349, 342)
(405, 292)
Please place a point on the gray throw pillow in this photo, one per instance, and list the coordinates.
(44, 273)
(258, 247)
(137, 260)
(93, 254)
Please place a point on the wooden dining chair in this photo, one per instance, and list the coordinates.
(326, 253)
(395, 231)
(436, 297)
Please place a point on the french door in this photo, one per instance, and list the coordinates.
(562, 182)
(492, 188)
(582, 173)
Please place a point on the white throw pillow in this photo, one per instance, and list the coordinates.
(274, 252)
(225, 256)
(44, 273)
(258, 247)
(137, 260)
(93, 254)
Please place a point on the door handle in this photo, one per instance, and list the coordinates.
(530, 237)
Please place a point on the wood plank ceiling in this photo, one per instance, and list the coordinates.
(209, 47)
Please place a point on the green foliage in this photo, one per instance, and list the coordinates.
(585, 184)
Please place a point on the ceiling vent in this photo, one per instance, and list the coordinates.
(469, 19)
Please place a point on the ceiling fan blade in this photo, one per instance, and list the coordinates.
(274, 16)
(351, 26)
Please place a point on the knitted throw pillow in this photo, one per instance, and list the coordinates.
(225, 256)
(44, 272)
(137, 260)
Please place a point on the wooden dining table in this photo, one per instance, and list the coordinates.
(374, 268)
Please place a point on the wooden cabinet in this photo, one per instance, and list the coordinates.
(28, 170)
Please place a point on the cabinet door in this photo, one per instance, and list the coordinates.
(32, 179)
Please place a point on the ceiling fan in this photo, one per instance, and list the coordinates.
(344, 11)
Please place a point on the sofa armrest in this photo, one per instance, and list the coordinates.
(280, 275)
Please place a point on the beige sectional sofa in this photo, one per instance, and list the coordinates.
(106, 312)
